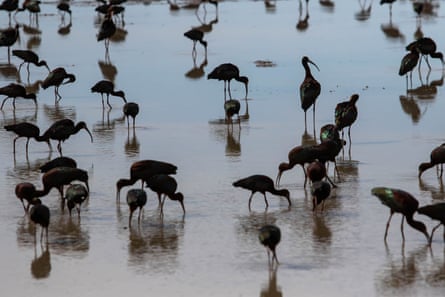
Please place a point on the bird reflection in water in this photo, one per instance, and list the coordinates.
(410, 107)
(320, 231)
(437, 193)
(426, 91)
(327, 5)
(308, 139)
(231, 138)
(270, 5)
(272, 289)
(108, 69)
(8, 70)
(206, 26)
(64, 26)
(302, 23)
(365, 11)
(132, 144)
(41, 265)
(197, 71)
(69, 235)
(392, 31)
(56, 112)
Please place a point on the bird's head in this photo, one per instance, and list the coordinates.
(423, 167)
(179, 197)
(83, 125)
(71, 78)
(121, 94)
(70, 205)
(306, 60)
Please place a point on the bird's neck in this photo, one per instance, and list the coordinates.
(417, 225)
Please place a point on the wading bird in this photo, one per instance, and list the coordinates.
(320, 191)
(57, 78)
(435, 212)
(25, 191)
(196, 36)
(136, 198)
(345, 115)
(107, 29)
(299, 155)
(27, 130)
(131, 109)
(437, 157)
(163, 184)
(270, 236)
(40, 215)
(261, 183)
(401, 202)
(426, 47)
(226, 72)
(75, 195)
(231, 108)
(15, 91)
(309, 89)
(408, 63)
(8, 37)
(107, 87)
(58, 162)
(29, 57)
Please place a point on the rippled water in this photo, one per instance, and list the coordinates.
(213, 250)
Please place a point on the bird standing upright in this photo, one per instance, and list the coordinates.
(345, 115)
(437, 157)
(107, 87)
(309, 89)
(14, 91)
(408, 63)
(261, 183)
(435, 212)
(107, 29)
(136, 198)
(226, 72)
(131, 109)
(231, 108)
(8, 37)
(196, 36)
(56, 78)
(270, 237)
(402, 202)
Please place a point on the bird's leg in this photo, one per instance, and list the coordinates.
(129, 218)
(228, 87)
(108, 101)
(139, 216)
(3, 102)
(401, 228)
(13, 103)
(250, 199)
(274, 257)
(159, 199)
(313, 116)
(427, 62)
(20, 66)
(59, 147)
(331, 182)
(314, 204)
(387, 225)
(133, 123)
(225, 91)
(27, 142)
(27, 68)
(265, 200)
(441, 170)
(162, 204)
(103, 105)
(432, 232)
(305, 125)
(24, 208)
(15, 139)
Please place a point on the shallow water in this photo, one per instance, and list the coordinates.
(213, 250)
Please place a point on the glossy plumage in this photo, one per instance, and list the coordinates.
(299, 155)
(435, 212)
(15, 91)
(75, 195)
(27, 130)
(61, 130)
(29, 57)
(58, 162)
(402, 202)
(346, 114)
(316, 171)
(427, 47)
(409, 62)
(226, 72)
(143, 170)
(261, 183)
(310, 88)
(40, 215)
(231, 108)
(131, 109)
(165, 185)
(320, 191)
(25, 191)
(329, 132)
(57, 78)
(136, 198)
(107, 87)
(437, 157)
(270, 237)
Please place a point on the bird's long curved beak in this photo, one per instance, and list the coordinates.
(182, 205)
(91, 135)
(314, 64)
(277, 181)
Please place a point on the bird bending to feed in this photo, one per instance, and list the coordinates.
(25, 191)
(437, 157)
(408, 63)
(270, 236)
(345, 115)
(75, 195)
(58, 162)
(226, 72)
(231, 108)
(27, 130)
(426, 47)
(316, 171)
(320, 191)
(29, 57)
(309, 89)
(136, 198)
(131, 109)
(401, 202)
(143, 170)
(261, 183)
(435, 212)
(163, 184)
(107, 87)
(61, 130)
(14, 91)
(40, 215)
(57, 78)
(299, 155)
(196, 35)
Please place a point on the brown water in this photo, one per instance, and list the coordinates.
(213, 250)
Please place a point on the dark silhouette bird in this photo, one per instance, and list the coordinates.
(58, 162)
(163, 184)
(320, 191)
(33, 7)
(401, 202)
(15, 91)
(328, 150)
(196, 36)
(136, 198)
(346, 114)
(226, 72)
(75, 195)
(107, 28)
(231, 108)
(426, 47)
(9, 6)
(408, 63)
(261, 183)
(25, 191)
(29, 57)
(316, 171)
(57, 78)
(64, 7)
(299, 155)
(437, 157)
(143, 170)
(40, 215)
(329, 132)
(8, 37)
(27, 130)
(131, 109)
(309, 89)
(61, 130)
(435, 212)
(59, 177)
(107, 87)
(270, 236)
